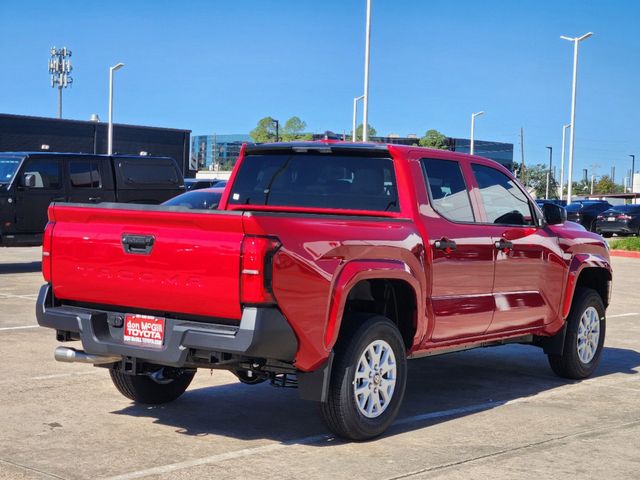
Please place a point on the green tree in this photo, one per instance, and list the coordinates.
(372, 132)
(265, 131)
(294, 130)
(607, 185)
(536, 179)
(434, 139)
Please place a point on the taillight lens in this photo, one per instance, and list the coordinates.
(600, 217)
(46, 251)
(256, 268)
(624, 217)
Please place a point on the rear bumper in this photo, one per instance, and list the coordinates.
(262, 333)
(615, 227)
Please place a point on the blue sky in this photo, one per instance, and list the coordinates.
(220, 66)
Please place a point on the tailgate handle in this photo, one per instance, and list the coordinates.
(138, 244)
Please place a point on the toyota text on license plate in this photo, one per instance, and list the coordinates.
(143, 331)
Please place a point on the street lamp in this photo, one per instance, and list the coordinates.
(575, 41)
(110, 128)
(355, 116)
(367, 48)
(473, 126)
(60, 70)
(546, 195)
(564, 134)
(277, 123)
(633, 169)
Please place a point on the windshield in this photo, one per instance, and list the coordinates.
(198, 199)
(8, 167)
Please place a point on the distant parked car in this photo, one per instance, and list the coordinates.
(585, 212)
(201, 199)
(622, 220)
(199, 183)
(220, 183)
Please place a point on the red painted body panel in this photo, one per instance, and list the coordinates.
(472, 294)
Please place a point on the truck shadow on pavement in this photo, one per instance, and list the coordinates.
(439, 389)
(22, 267)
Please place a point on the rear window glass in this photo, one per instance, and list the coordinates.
(317, 181)
(149, 172)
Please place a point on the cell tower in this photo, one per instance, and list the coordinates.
(60, 71)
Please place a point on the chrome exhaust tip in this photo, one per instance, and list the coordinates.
(71, 355)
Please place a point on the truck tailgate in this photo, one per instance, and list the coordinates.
(148, 257)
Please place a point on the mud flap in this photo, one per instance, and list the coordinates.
(314, 385)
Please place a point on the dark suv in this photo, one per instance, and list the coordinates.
(585, 212)
(29, 182)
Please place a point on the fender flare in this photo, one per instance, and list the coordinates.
(578, 263)
(357, 270)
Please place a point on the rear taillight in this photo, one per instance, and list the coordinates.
(624, 217)
(256, 268)
(46, 251)
(600, 217)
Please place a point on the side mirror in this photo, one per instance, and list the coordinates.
(29, 180)
(554, 214)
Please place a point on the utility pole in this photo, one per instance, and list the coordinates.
(549, 172)
(277, 128)
(355, 117)
(367, 55)
(473, 126)
(60, 71)
(523, 177)
(633, 170)
(564, 135)
(575, 41)
(113, 69)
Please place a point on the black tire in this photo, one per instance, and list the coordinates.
(143, 389)
(340, 412)
(607, 234)
(569, 364)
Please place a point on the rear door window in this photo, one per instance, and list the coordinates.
(447, 190)
(84, 174)
(148, 172)
(317, 181)
(504, 202)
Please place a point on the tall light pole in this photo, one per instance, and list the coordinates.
(355, 116)
(110, 128)
(277, 123)
(367, 45)
(564, 136)
(473, 126)
(633, 169)
(575, 41)
(60, 70)
(546, 195)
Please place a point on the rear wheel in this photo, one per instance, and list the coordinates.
(584, 338)
(368, 380)
(144, 389)
(607, 234)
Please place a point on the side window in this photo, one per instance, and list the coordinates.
(503, 200)
(84, 174)
(447, 189)
(46, 172)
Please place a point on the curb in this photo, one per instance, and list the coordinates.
(624, 253)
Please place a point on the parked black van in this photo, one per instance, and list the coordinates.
(29, 182)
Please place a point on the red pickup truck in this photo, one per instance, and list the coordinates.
(327, 266)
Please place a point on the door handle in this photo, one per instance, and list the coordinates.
(95, 199)
(445, 245)
(503, 245)
(137, 244)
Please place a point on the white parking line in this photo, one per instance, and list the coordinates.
(22, 327)
(11, 295)
(632, 314)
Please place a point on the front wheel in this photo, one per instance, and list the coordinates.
(584, 338)
(368, 380)
(607, 234)
(144, 389)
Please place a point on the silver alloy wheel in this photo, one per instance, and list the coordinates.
(588, 335)
(375, 379)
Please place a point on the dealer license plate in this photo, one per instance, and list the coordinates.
(143, 331)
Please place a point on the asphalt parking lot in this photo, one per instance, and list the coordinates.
(491, 413)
